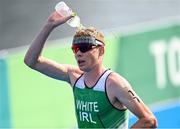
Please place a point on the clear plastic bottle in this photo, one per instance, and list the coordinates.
(63, 10)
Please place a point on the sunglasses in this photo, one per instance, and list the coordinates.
(83, 47)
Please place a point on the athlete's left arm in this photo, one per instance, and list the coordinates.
(122, 90)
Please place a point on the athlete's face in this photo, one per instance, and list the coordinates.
(87, 57)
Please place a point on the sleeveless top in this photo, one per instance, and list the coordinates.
(93, 108)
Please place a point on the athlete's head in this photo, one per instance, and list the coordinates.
(88, 47)
(84, 39)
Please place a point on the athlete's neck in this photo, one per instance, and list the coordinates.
(92, 76)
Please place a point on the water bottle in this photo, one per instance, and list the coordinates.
(63, 10)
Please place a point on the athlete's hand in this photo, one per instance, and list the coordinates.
(56, 19)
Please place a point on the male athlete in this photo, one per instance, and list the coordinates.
(101, 96)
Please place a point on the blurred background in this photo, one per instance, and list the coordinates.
(143, 45)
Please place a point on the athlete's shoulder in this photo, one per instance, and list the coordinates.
(116, 79)
(74, 73)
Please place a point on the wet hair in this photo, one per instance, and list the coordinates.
(92, 32)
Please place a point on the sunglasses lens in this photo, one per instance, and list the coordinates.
(83, 48)
(75, 48)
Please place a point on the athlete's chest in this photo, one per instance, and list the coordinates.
(90, 100)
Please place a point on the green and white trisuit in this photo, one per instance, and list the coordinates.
(93, 108)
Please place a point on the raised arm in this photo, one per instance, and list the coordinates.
(126, 95)
(46, 66)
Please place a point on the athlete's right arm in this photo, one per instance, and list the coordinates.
(46, 66)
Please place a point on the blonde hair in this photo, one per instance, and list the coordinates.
(91, 31)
